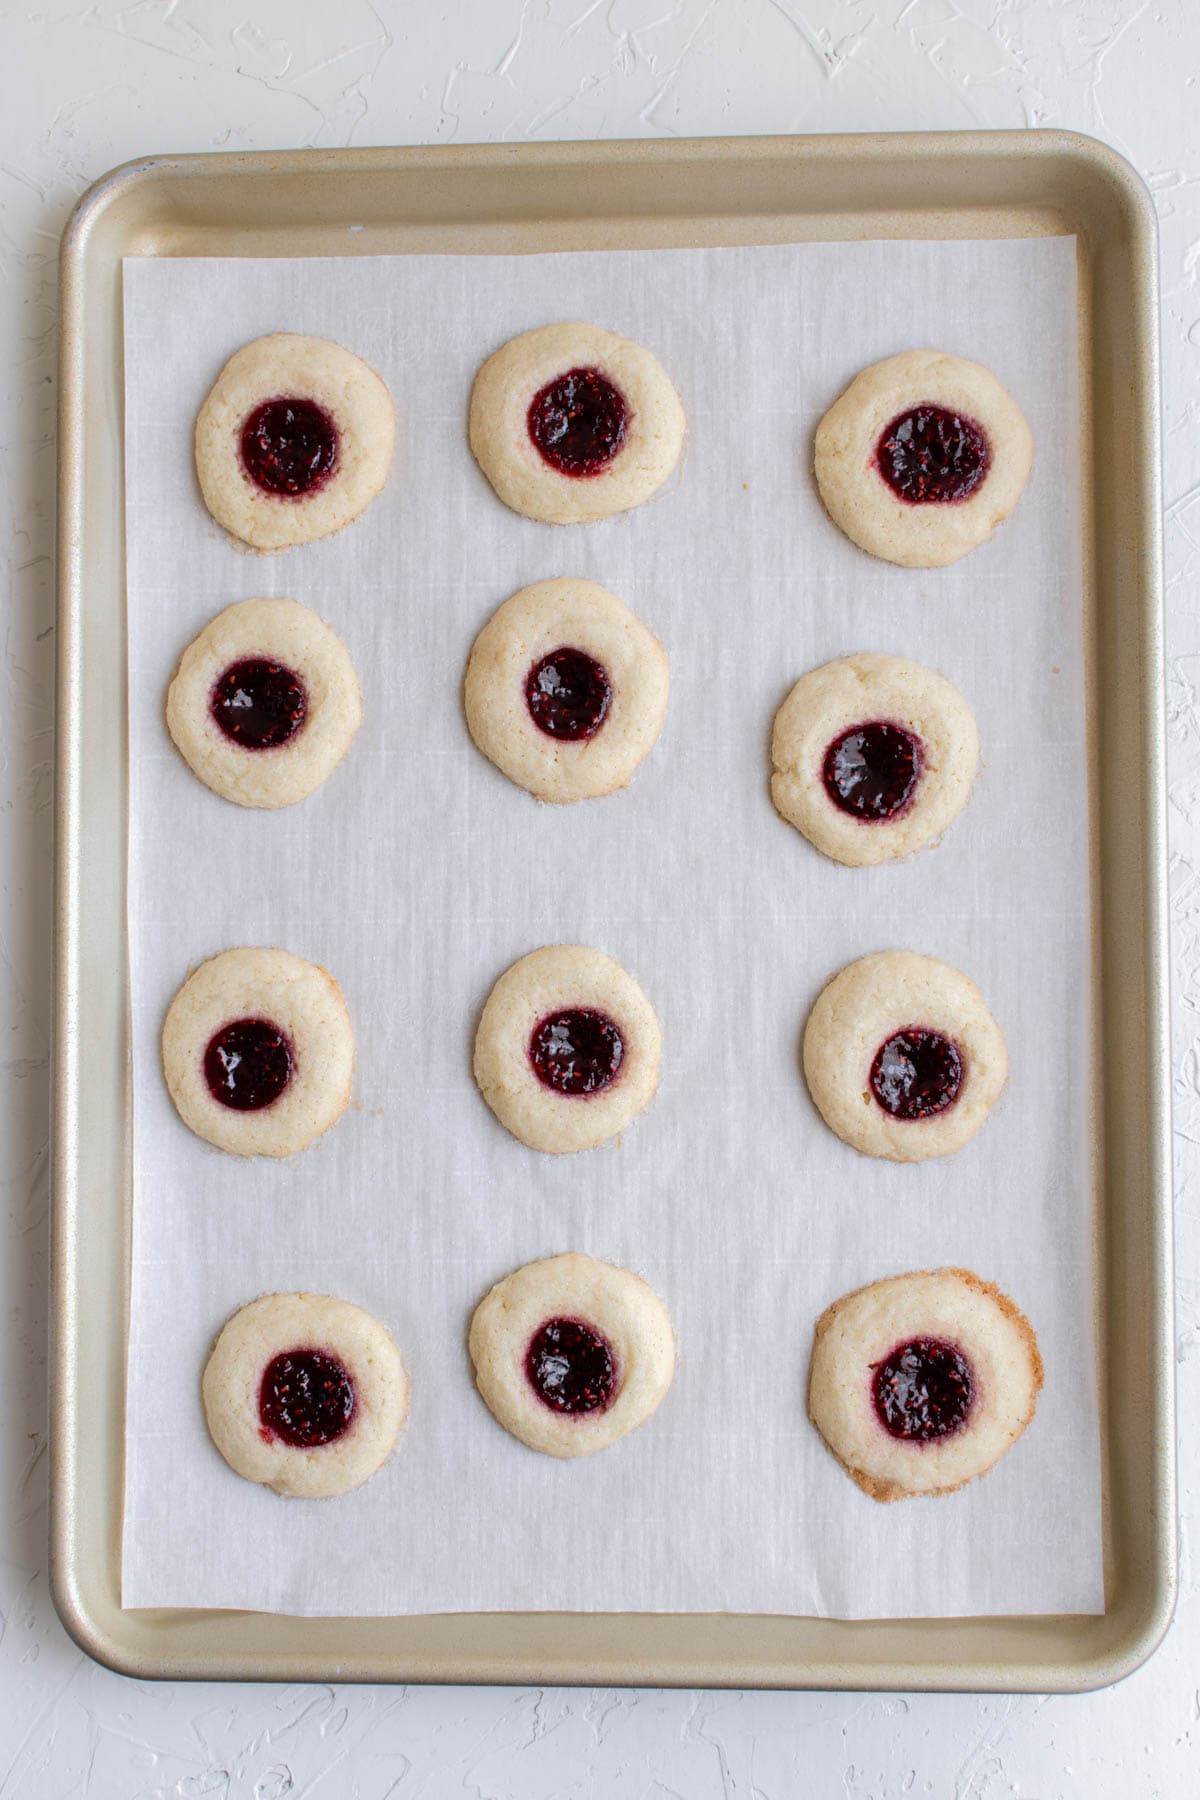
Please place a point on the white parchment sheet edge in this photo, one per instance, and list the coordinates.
(418, 874)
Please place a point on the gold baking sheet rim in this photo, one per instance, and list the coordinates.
(628, 194)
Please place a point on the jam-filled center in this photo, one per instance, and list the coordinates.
(923, 1390)
(568, 694)
(578, 422)
(289, 446)
(929, 455)
(571, 1367)
(248, 1064)
(872, 770)
(577, 1051)
(258, 704)
(306, 1397)
(916, 1073)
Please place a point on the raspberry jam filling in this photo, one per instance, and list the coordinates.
(289, 446)
(248, 1064)
(571, 1367)
(578, 1051)
(916, 1073)
(872, 771)
(258, 704)
(923, 1390)
(568, 695)
(306, 1397)
(578, 422)
(930, 456)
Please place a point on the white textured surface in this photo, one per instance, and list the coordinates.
(86, 87)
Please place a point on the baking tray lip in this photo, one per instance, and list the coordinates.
(123, 1657)
(93, 1616)
(873, 146)
(1089, 153)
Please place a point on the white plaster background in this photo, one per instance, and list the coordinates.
(84, 87)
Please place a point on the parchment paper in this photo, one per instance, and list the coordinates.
(418, 874)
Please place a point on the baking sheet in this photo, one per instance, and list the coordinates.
(418, 874)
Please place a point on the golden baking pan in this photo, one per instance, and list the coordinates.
(608, 196)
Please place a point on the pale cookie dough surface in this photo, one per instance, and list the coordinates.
(499, 433)
(856, 496)
(861, 1330)
(859, 1010)
(571, 614)
(859, 690)
(548, 981)
(278, 631)
(286, 365)
(272, 1326)
(299, 998)
(617, 1304)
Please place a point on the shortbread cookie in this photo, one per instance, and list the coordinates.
(305, 1394)
(922, 457)
(566, 690)
(873, 757)
(265, 703)
(902, 1056)
(571, 1353)
(294, 441)
(258, 1052)
(922, 1382)
(568, 1049)
(571, 423)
